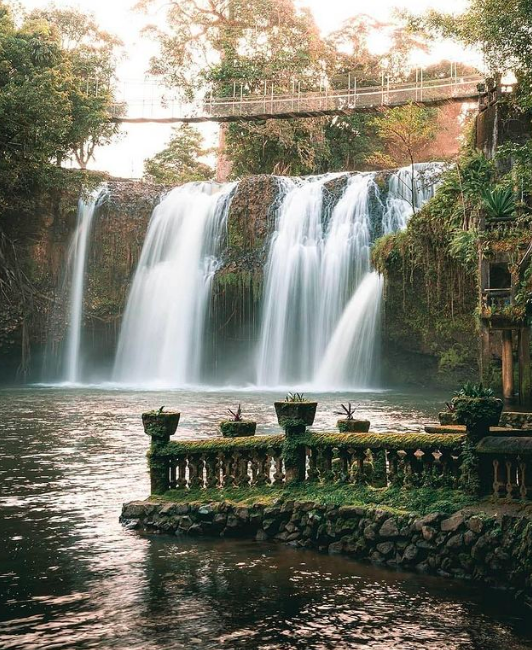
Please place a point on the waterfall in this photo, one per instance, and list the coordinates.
(161, 337)
(321, 301)
(77, 260)
(350, 360)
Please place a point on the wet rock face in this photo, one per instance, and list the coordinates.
(42, 240)
(496, 550)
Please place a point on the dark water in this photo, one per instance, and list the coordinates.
(72, 577)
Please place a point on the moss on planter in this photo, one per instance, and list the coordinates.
(240, 429)
(353, 426)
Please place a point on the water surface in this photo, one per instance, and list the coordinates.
(72, 577)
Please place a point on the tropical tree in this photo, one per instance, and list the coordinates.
(92, 56)
(501, 29)
(405, 133)
(178, 163)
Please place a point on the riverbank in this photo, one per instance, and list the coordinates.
(450, 534)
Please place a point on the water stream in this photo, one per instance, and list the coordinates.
(162, 330)
(77, 260)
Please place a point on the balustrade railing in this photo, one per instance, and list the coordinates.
(506, 466)
(381, 459)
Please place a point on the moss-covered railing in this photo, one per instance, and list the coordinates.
(377, 459)
(506, 466)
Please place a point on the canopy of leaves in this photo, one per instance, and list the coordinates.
(178, 163)
(49, 107)
(405, 132)
(254, 47)
(501, 29)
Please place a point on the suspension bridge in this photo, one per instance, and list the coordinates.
(150, 102)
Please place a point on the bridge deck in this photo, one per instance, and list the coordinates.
(300, 104)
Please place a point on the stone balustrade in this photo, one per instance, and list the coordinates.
(367, 458)
(506, 466)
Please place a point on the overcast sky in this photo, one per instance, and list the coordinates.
(125, 157)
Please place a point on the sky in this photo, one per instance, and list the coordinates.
(125, 157)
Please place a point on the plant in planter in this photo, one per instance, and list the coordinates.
(448, 417)
(236, 427)
(477, 408)
(295, 412)
(348, 424)
(160, 424)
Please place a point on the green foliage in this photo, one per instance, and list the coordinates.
(347, 411)
(236, 415)
(49, 107)
(470, 389)
(463, 247)
(478, 414)
(405, 132)
(499, 203)
(178, 163)
(421, 500)
(237, 428)
(295, 397)
(392, 441)
(501, 30)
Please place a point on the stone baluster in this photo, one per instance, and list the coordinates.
(428, 463)
(325, 464)
(195, 471)
(511, 478)
(212, 470)
(278, 475)
(260, 468)
(181, 482)
(230, 470)
(498, 483)
(243, 478)
(342, 475)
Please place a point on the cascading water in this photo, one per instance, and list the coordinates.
(321, 303)
(77, 260)
(161, 337)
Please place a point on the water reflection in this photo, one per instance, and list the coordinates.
(72, 577)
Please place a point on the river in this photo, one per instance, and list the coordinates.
(72, 577)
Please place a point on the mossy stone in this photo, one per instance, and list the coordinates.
(353, 426)
(160, 425)
(295, 414)
(241, 429)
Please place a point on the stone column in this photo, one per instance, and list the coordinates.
(159, 426)
(294, 454)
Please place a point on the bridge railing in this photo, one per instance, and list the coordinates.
(274, 101)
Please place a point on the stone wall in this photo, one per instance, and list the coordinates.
(470, 545)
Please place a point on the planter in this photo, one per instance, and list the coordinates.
(448, 418)
(478, 413)
(160, 426)
(353, 426)
(295, 414)
(240, 429)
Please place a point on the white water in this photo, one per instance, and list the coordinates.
(350, 359)
(77, 260)
(321, 303)
(161, 338)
